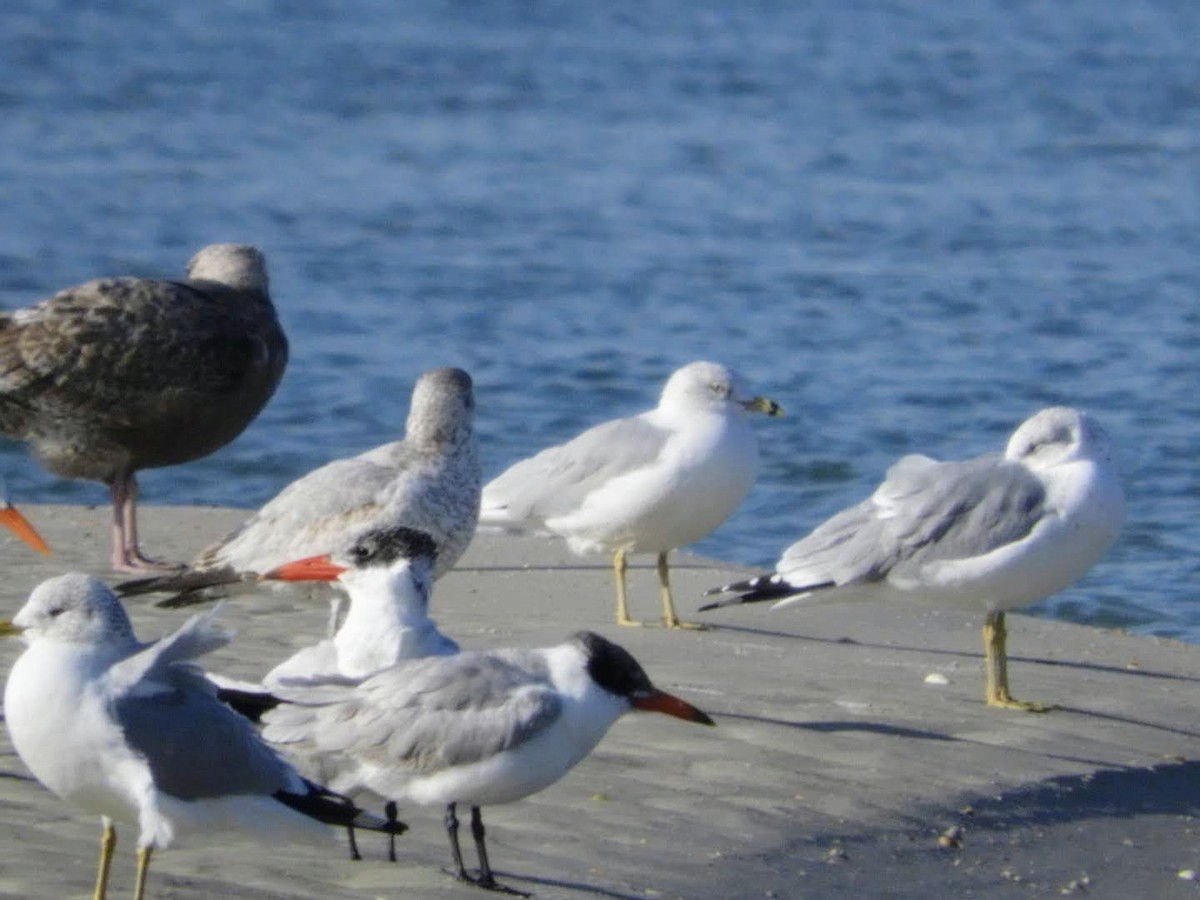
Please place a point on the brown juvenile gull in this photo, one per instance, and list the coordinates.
(991, 533)
(123, 374)
(134, 732)
(646, 484)
(428, 481)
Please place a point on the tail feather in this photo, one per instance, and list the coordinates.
(185, 584)
(331, 808)
(760, 589)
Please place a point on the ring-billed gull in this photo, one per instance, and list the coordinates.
(478, 728)
(645, 484)
(992, 533)
(134, 733)
(429, 481)
(122, 374)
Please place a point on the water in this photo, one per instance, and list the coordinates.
(913, 224)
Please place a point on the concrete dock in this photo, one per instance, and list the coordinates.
(838, 767)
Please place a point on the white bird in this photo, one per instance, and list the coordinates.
(477, 728)
(991, 533)
(122, 374)
(645, 484)
(134, 733)
(388, 574)
(429, 480)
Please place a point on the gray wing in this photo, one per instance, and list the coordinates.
(423, 715)
(557, 480)
(195, 746)
(346, 489)
(923, 511)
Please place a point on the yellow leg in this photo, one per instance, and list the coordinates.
(619, 567)
(670, 620)
(995, 636)
(108, 845)
(143, 866)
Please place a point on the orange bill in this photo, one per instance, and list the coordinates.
(312, 568)
(662, 702)
(11, 518)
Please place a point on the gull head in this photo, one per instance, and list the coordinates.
(709, 385)
(442, 409)
(72, 608)
(1058, 435)
(237, 265)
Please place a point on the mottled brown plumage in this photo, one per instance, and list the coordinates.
(122, 374)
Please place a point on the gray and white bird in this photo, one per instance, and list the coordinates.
(429, 481)
(992, 534)
(123, 374)
(134, 733)
(478, 728)
(388, 575)
(649, 483)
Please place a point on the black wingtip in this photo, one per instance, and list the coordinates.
(332, 808)
(763, 589)
(248, 704)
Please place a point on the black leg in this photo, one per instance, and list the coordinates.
(389, 812)
(354, 854)
(486, 879)
(451, 821)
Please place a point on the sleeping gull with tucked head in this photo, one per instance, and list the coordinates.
(992, 533)
(649, 483)
(134, 733)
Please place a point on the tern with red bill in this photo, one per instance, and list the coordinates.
(478, 728)
(388, 574)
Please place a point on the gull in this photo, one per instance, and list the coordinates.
(134, 733)
(991, 533)
(478, 728)
(123, 374)
(645, 484)
(429, 480)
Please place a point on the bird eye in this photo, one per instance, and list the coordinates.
(360, 552)
(55, 611)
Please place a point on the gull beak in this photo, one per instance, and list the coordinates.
(763, 405)
(11, 518)
(669, 705)
(313, 568)
(8, 629)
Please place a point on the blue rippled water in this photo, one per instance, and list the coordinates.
(911, 223)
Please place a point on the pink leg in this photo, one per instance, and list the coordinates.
(126, 555)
